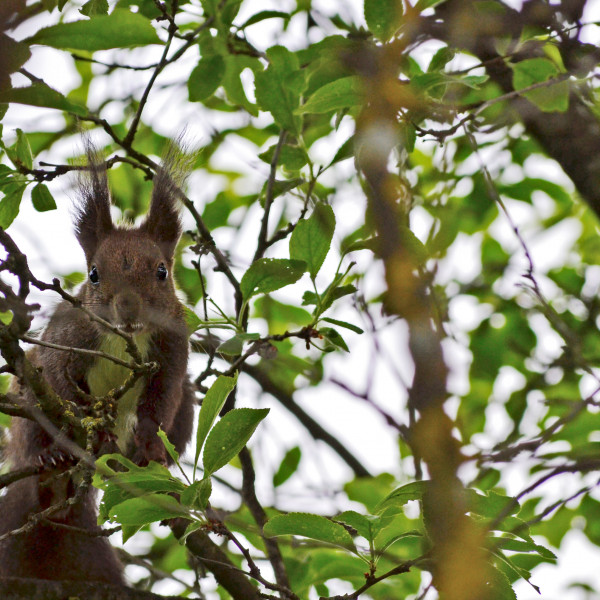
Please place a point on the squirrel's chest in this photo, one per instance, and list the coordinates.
(106, 375)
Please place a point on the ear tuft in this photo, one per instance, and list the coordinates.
(92, 211)
(163, 222)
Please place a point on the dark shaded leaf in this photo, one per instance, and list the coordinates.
(206, 77)
(288, 466)
(42, 198)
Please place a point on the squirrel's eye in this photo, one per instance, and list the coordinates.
(162, 272)
(94, 278)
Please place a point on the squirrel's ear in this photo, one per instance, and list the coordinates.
(163, 222)
(92, 212)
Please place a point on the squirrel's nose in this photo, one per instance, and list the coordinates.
(127, 306)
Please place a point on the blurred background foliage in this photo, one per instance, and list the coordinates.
(483, 119)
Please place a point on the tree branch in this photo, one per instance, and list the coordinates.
(16, 588)
(226, 573)
(260, 516)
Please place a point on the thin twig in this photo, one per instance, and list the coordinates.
(260, 517)
(261, 246)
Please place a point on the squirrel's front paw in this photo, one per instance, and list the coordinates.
(54, 457)
(107, 443)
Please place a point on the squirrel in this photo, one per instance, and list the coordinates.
(130, 285)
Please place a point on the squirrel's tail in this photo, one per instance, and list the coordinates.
(65, 546)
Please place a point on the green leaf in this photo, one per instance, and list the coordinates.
(369, 490)
(524, 546)
(191, 528)
(383, 17)
(8, 176)
(70, 280)
(278, 315)
(353, 246)
(23, 150)
(121, 29)
(397, 538)
(513, 567)
(346, 150)
(281, 187)
(550, 98)
(311, 239)
(331, 335)
(292, 158)
(232, 83)
(42, 198)
(328, 298)
(441, 58)
(206, 77)
(211, 406)
(40, 94)
(197, 495)
(234, 346)
(345, 92)
(10, 204)
(413, 245)
(499, 584)
(278, 88)
(14, 54)
(169, 447)
(265, 14)
(128, 531)
(288, 466)
(153, 477)
(147, 509)
(229, 436)
(403, 494)
(209, 7)
(349, 326)
(229, 12)
(269, 274)
(94, 7)
(131, 482)
(310, 526)
(366, 526)
(491, 504)
(192, 321)
(425, 4)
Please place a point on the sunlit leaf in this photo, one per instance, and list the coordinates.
(40, 94)
(212, 404)
(310, 526)
(196, 495)
(270, 274)
(147, 509)
(311, 239)
(341, 93)
(383, 17)
(120, 29)
(531, 71)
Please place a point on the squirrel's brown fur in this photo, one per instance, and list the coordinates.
(131, 286)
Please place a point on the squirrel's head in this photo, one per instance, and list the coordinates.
(130, 281)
